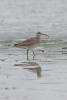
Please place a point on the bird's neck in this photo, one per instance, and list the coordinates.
(38, 38)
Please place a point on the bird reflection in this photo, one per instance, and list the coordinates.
(31, 66)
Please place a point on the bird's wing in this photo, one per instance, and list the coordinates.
(27, 42)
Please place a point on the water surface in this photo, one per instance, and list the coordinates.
(45, 77)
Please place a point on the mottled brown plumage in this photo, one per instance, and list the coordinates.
(30, 43)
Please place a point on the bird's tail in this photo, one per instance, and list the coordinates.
(15, 45)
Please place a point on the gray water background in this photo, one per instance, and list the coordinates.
(45, 77)
(23, 18)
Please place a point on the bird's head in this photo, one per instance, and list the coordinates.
(39, 34)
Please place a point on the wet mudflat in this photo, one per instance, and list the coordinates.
(45, 77)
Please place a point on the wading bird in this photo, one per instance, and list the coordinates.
(30, 43)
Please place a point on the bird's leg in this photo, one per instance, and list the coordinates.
(27, 54)
(33, 54)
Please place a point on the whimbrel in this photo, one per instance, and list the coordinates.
(30, 43)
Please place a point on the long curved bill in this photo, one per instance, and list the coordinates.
(46, 35)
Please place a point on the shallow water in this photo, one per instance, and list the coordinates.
(45, 77)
